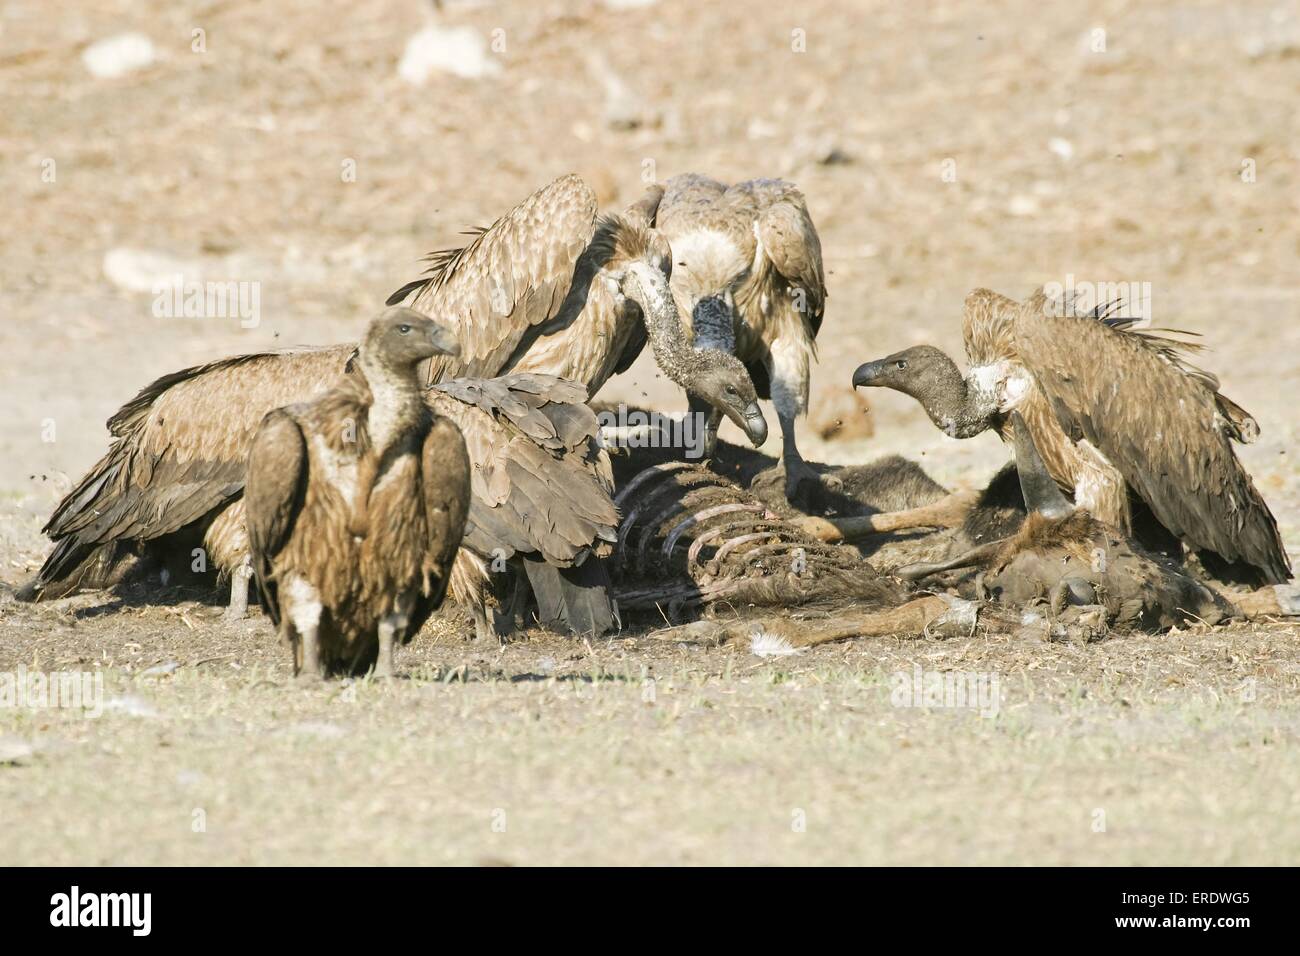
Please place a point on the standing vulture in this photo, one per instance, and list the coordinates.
(747, 278)
(552, 288)
(548, 289)
(1112, 410)
(356, 505)
(541, 480)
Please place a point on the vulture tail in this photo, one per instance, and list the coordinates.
(573, 600)
(73, 567)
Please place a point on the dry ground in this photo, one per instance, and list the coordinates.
(1116, 165)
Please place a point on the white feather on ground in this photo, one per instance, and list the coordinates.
(763, 644)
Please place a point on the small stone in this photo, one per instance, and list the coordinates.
(118, 55)
(461, 51)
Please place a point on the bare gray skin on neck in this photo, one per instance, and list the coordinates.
(673, 353)
(712, 323)
(959, 409)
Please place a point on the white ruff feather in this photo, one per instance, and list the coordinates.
(763, 644)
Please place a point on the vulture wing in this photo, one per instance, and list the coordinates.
(179, 451)
(542, 482)
(788, 240)
(445, 469)
(513, 275)
(277, 480)
(1162, 423)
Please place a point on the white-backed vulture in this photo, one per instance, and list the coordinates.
(356, 503)
(747, 278)
(551, 287)
(1113, 410)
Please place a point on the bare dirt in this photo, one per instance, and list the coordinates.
(941, 147)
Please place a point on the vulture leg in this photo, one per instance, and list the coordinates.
(388, 638)
(1040, 490)
(313, 667)
(509, 615)
(573, 600)
(787, 369)
(303, 606)
(239, 579)
(483, 630)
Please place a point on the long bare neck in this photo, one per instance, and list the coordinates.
(952, 404)
(673, 353)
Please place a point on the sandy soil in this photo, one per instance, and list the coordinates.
(1122, 164)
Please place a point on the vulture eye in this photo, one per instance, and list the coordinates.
(731, 391)
(404, 329)
(901, 363)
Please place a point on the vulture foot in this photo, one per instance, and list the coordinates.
(239, 578)
(805, 489)
(387, 641)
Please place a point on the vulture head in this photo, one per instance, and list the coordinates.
(722, 380)
(640, 273)
(933, 379)
(399, 339)
(920, 371)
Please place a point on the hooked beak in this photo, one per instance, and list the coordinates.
(754, 424)
(444, 341)
(866, 374)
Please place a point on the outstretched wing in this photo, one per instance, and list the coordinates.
(542, 482)
(180, 450)
(512, 276)
(1161, 423)
(277, 481)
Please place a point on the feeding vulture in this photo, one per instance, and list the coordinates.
(356, 504)
(547, 289)
(747, 278)
(551, 287)
(1113, 411)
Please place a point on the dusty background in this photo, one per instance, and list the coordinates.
(1122, 164)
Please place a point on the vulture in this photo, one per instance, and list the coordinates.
(551, 287)
(747, 279)
(1118, 415)
(540, 479)
(548, 290)
(355, 505)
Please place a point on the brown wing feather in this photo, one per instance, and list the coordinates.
(790, 242)
(445, 471)
(1161, 425)
(515, 274)
(277, 480)
(542, 483)
(180, 449)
